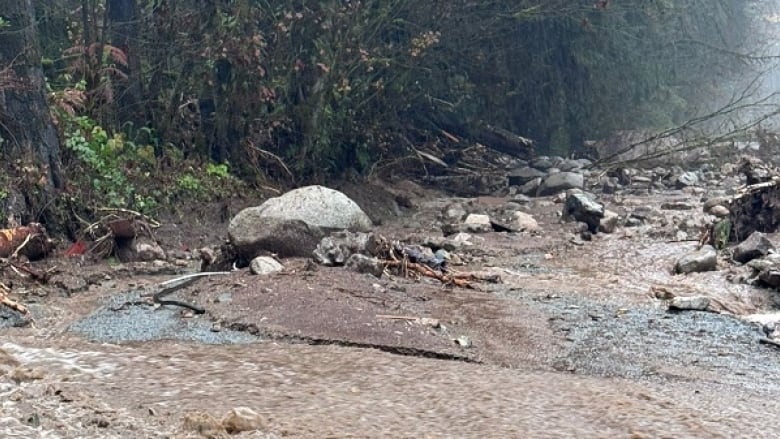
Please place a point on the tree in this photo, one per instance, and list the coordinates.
(26, 127)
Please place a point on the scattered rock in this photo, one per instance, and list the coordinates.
(531, 188)
(704, 259)
(525, 222)
(609, 222)
(205, 425)
(562, 181)
(686, 179)
(253, 234)
(692, 303)
(676, 205)
(478, 223)
(719, 211)
(139, 249)
(334, 250)
(521, 176)
(463, 341)
(318, 206)
(365, 264)
(454, 212)
(241, 419)
(755, 246)
(583, 208)
(263, 265)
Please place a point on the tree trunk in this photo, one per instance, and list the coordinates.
(26, 126)
(123, 34)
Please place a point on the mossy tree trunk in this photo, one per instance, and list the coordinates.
(28, 135)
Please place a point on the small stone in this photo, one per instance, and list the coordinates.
(692, 303)
(427, 321)
(242, 419)
(463, 341)
(263, 265)
(26, 374)
(704, 259)
(366, 264)
(204, 424)
(478, 223)
(609, 222)
(719, 211)
(525, 222)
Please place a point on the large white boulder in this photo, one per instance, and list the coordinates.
(318, 206)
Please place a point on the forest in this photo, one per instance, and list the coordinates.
(139, 103)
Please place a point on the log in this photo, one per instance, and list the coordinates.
(31, 241)
(504, 141)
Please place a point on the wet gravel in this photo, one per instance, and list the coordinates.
(117, 321)
(647, 342)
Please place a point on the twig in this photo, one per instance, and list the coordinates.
(392, 317)
(26, 241)
(769, 341)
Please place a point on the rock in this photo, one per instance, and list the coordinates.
(521, 176)
(719, 211)
(568, 165)
(242, 419)
(463, 341)
(318, 206)
(755, 170)
(366, 264)
(205, 425)
(692, 303)
(334, 250)
(755, 246)
(562, 181)
(454, 211)
(477, 223)
(583, 208)
(714, 201)
(531, 188)
(139, 249)
(609, 222)
(686, 179)
(262, 265)
(542, 163)
(521, 199)
(704, 259)
(148, 251)
(525, 222)
(252, 233)
(676, 205)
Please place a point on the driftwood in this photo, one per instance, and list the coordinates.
(14, 305)
(504, 141)
(168, 287)
(458, 279)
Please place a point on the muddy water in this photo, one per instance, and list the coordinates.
(338, 392)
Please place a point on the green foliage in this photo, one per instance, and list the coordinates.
(722, 233)
(219, 171)
(190, 183)
(103, 155)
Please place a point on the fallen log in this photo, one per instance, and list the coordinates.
(31, 241)
(504, 141)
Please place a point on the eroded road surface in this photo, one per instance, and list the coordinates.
(573, 343)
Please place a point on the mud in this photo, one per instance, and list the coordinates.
(572, 343)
